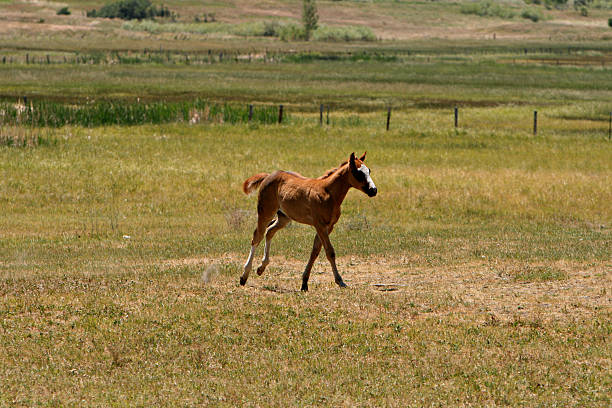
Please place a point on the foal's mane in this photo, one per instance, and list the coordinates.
(332, 171)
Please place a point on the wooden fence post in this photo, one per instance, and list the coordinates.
(321, 115)
(456, 117)
(280, 114)
(388, 117)
(535, 122)
(327, 114)
(250, 112)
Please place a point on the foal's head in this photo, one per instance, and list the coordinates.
(360, 175)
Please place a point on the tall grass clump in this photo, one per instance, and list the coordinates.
(103, 113)
(25, 136)
(487, 8)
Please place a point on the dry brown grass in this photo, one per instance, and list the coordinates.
(488, 288)
(183, 332)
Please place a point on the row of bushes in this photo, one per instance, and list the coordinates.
(130, 10)
(284, 31)
(53, 114)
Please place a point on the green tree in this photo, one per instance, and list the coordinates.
(310, 18)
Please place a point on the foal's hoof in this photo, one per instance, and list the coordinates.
(341, 284)
(243, 280)
(304, 287)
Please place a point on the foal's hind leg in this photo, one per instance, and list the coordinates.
(278, 224)
(264, 216)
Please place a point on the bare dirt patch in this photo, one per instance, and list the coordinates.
(576, 291)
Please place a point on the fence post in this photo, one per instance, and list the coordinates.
(456, 117)
(535, 122)
(250, 112)
(327, 114)
(388, 117)
(280, 114)
(27, 58)
(321, 115)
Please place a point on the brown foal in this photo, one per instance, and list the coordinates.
(290, 196)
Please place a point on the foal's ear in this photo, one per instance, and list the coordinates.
(352, 164)
(362, 158)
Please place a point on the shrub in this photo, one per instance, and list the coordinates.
(549, 4)
(532, 14)
(63, 11)
(601, 4)
(487, 8)
(271, 28)
(291, 32)
(130, 10)
(558, 4)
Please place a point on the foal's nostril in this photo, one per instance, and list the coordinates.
(372, 191)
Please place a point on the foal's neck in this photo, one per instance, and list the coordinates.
(338, 184)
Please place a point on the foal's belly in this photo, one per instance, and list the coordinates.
(296, 214)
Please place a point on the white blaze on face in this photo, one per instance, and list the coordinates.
(366, 173)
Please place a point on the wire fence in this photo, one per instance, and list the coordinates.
(104, 113)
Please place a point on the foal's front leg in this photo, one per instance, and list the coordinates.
(316, 248)
(323, 233)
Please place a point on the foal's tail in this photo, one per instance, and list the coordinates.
(252, 183)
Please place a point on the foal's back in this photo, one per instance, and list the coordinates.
(295, 195)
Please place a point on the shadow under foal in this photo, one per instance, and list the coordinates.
(291, 196)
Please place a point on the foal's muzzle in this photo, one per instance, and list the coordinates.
(371, 192)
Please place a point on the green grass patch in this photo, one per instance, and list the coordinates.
(288, 31)
(103, 113)
(539, 274)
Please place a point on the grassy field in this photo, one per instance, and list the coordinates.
(480, 275)
(121, 251)
(356, 86)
